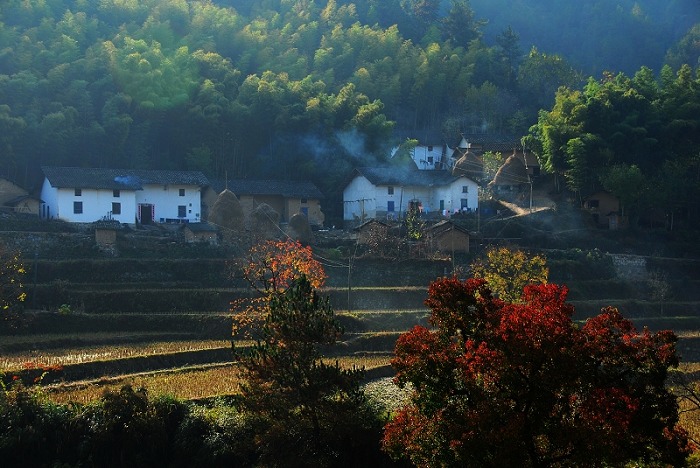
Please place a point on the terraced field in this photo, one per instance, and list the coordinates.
(178, 349)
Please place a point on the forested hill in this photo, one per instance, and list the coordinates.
(599, 35)
(270, 88)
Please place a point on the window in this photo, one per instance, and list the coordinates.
(116, 208)
(465, 189)
(390, 206)
(116, 193)
(182, 192)
(304, 201)
(78, 192)
(430, 147)
(430, 159)
(77, 207)
(181, 211)
(390, 190)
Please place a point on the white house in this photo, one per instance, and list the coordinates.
(429, 157)
(388, 192)
(84, 195)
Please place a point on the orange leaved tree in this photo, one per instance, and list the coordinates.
(11, 290)
(270, 267)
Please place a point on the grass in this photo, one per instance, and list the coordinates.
(61, 356)
(186, 383)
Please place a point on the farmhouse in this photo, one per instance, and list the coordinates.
(14, 198)
(286, 197)
(388, 192)
(428, 157)
(84, 195)
(605, 209)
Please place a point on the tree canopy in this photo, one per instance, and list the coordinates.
(246, 89)
(312, 411)
(626, 135)
(505, 384)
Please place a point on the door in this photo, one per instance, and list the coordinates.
(146, 213)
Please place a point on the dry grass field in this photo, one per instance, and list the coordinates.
(186, 383)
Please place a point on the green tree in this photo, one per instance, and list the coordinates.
(686, 50)
(11, 129)
(460, 25)
(509, 48)
(520, 384)
(625, 182)
(540, 75)
(507, 271)
(414, 225)
(314, 412)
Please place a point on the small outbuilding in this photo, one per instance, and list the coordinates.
(106, 233)
(605, 209)
(447, 236)
(200, 232)
(368, 231)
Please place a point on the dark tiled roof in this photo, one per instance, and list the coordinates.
(406, 177)
(119, 179)
(446, 225)
(285, 188)
(370, 222)
(496, 143)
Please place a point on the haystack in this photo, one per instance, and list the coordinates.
(300, 229)
(468, 164)
(227, 214)
(264, 222)
(511, 173)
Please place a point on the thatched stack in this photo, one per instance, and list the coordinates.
(227, 214)
(263, 223)
(469, 164)
(300, 229)
(511, 173)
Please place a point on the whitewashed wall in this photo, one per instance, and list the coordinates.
(97, 204)
(165, 200)
(359, 197)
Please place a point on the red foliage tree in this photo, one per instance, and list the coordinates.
(520, 384)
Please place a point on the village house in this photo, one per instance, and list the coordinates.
(429, 157)
(286, 197)
(388, 192)
(15, 199)
(605, 209)
(85, 195)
